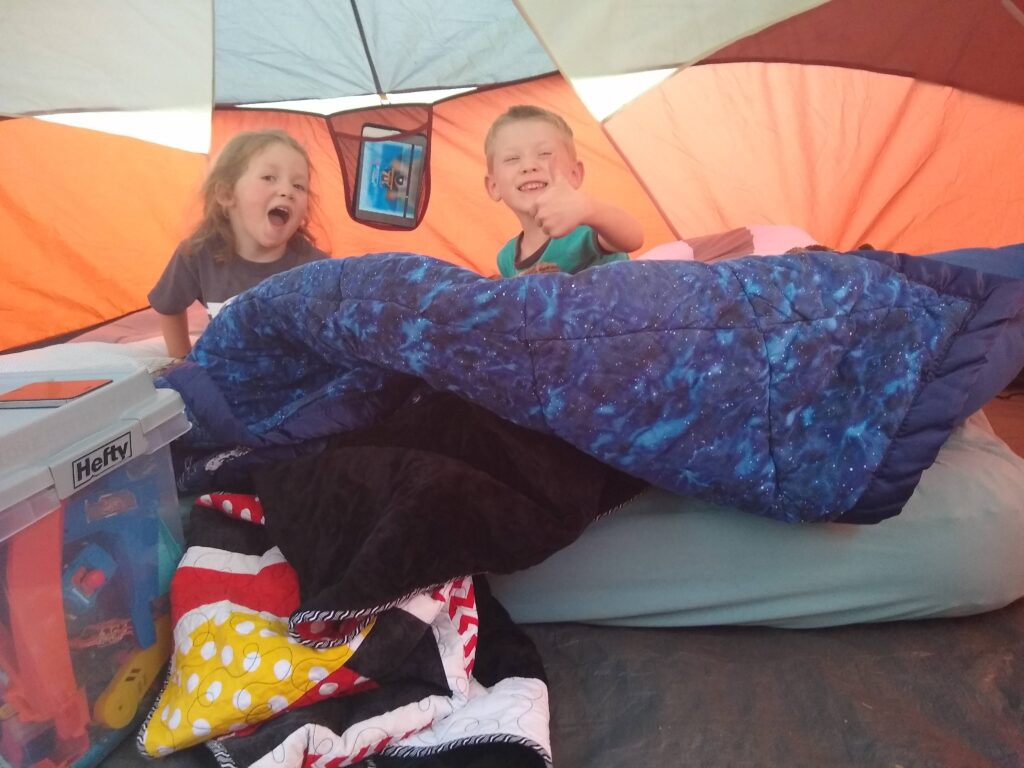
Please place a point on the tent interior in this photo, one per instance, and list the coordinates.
(750, 642)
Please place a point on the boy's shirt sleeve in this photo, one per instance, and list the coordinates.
(572, 253)
(178, 287)
(598, 255)
(579, 250)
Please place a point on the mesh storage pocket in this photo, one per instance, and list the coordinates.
(406, 127)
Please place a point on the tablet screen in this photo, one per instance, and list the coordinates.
(390, 176)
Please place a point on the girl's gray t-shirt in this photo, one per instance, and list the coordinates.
(199, 277)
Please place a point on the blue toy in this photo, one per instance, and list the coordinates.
(120, 514)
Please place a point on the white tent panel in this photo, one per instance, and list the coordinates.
(585, 37)
(602, 96)
(187, 129)
(66, 55)
(348, 103)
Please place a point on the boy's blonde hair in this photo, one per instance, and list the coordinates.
(527, 112)
(232, 161)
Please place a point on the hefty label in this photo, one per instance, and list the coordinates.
(98, 462)
(78, 466)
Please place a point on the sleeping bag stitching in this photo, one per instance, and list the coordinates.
(779, 493)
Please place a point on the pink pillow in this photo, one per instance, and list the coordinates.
(757, 239)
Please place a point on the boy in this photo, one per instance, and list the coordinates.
(532, 167)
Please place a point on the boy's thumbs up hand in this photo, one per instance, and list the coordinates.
(561, 207)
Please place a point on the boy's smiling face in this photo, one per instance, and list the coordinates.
(520, 168)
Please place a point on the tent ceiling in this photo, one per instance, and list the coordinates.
(315, 49)
(972, 45)
(66, 55)
(141, 55)
(660, 33)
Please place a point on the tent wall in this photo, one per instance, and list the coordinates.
(65, 55)
(972, 45)
(462, 224)
(849, 155)
(897, 124)
(89, 220)
(86, 221)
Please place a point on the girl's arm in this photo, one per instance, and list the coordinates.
(175, 330)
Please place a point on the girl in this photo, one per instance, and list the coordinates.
(255, 204)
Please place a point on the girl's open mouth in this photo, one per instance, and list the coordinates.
(279, 216)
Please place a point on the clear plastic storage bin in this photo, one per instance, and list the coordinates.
(89, 535)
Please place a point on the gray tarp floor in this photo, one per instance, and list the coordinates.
(944, 692)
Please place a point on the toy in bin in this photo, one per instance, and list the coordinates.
(85, 576)
(84, 616)
(47, 712)
(98, 574)
(118, 515)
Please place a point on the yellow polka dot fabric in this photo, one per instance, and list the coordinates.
(232, 669)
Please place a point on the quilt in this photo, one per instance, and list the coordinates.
(338, 615)
(407, 682)
(804, 387)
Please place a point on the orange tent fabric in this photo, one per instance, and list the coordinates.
(88, 220)
(849, 155)
(896, 124)
(462, 224)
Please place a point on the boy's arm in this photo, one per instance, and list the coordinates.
(175, 331)
(562, 208)
(616, 230)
